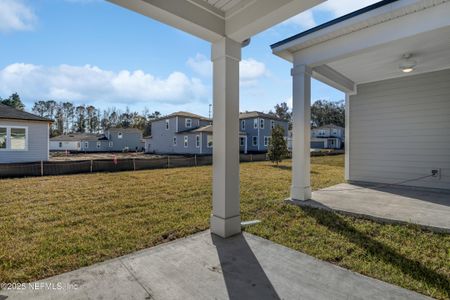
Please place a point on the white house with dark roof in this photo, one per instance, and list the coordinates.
(328, 137)
(23, 136)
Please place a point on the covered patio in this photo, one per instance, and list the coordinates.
(392, 61)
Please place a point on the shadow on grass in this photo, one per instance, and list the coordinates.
(282, 167)
(415, 269)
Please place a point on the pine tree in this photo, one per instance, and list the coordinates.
(277, 145)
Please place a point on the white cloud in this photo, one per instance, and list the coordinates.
(200, 64)
(90, 83)
(250, 69)
(342, 7)
(304, 20)
(16, 16)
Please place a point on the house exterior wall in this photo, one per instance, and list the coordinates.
(328, 132)
(91, 146)
(400, 130)
(259, 132)
(65, 145)
(130, 140)
(37, 142)
(162, 138)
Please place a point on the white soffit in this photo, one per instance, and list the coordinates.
(431, 51)
(214, 19)
(381, 15)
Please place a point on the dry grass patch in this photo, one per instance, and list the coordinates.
(55, 224)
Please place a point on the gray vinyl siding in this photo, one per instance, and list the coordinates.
(196, 123)
(162, 138)
(38, 144)
(400, 130)
(130, 140)
(260, 132)
(92, 146)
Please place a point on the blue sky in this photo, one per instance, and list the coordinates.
(94, 52)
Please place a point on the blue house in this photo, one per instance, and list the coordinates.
(188, 133)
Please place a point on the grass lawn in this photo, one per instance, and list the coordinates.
(51, 225)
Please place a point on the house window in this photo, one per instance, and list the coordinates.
(13, 138)
(18, 138)
(261, 123)
(3, 136)
(167, 124)
(255, 141)
(243, 125)
(99, 144)
(110, 144)
(197, 141)
(174, 140)
(119, 135)
(86, 145)
(188, 123)
(272, 124)
(255, 123)
(335, 131)
(266, 141)
(186, 141)
(242, 141)
(209, 141)
(60, 144)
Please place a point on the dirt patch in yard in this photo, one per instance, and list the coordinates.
(62, 156)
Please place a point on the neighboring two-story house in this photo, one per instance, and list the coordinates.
(328, 137)
(113, 140)
(187, 133)
(258, 128)
(179, 133)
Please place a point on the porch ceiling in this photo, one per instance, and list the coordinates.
(368, 45)
(214, 19)
(431, 51)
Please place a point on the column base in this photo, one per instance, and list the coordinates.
(301, 193)
(225, 227)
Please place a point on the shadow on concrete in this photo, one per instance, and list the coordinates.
(244, 276)
(409, 267)
(441, 197)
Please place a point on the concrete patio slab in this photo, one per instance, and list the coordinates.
(394, 204)
(204, 266)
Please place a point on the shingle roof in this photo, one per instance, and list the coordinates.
(333, 22)
(184, 114)
(8, 112)
(75, 137)
(257, 114)
(126, 130)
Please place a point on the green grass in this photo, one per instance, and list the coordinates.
(51, 225)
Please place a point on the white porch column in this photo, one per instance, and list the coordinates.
(301, 130)
(347, 136)
(225, 219)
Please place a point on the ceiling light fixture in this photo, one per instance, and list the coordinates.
(407, 64)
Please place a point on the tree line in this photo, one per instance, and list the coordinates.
(70, 118)
(323, 112)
